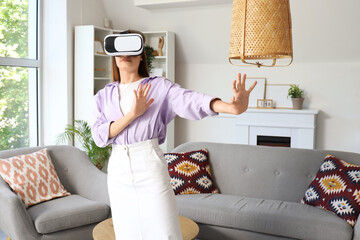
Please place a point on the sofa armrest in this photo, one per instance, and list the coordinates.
(14, 218)
(356, 235)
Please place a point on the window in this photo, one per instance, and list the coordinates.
(19, 68)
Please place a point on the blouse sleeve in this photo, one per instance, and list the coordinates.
(101, 126)
(188, 104)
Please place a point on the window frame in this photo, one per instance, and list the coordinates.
(33, 86)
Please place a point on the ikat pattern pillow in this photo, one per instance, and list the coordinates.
(32, 177)
(190, 172)
(336, 188)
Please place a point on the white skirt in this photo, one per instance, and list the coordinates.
(143, 203)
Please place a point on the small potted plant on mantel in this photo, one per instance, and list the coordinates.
(297, 96)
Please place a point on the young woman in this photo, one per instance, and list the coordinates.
(131, 114)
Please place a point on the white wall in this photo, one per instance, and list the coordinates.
(326, 63)
(331, 87)
(92, 12)
(56, 84)
(58, 21)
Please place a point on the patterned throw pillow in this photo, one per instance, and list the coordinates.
(190, 172)
(336, 188)
(32, 177)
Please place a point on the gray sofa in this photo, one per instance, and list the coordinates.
(72, 217)
(261, 189)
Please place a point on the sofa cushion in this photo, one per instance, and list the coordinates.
(190, 172)
(67, 212)
(32, 177)
(336, 188)
(286, 219)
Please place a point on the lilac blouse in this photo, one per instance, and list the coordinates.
(170, 99)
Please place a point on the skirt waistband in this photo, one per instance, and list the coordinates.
(151, 143)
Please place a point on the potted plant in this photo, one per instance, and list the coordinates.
(297, 96)
(81, 131)
(149, 51)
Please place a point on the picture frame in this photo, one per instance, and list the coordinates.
(98, 47)
(265, 104)
(258, 92)
(279, 94)
(260, 103)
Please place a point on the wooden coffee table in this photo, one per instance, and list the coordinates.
(105, 229)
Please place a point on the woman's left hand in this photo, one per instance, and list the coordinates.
(239, 102)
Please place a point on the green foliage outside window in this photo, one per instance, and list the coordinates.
(13, 80)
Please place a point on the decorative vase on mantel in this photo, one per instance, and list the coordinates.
(297, 96)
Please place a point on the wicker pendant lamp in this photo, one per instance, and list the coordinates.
(261, 30)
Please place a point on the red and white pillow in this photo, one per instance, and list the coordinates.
(190, 172)
(336, 188)
(32, 177)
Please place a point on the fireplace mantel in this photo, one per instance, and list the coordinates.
(299, 125)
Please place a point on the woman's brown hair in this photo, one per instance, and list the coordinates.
(143, 67)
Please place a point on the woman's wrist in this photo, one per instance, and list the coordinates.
(219, 106)
(120, 124)
(131, 116)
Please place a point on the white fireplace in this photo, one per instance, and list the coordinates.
(297, 127)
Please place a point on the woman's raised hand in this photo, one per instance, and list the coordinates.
(141, 104)
(240, 100)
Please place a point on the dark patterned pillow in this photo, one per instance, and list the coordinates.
(336, 188)
(190, 172)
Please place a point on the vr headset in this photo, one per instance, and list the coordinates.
(124, 44)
